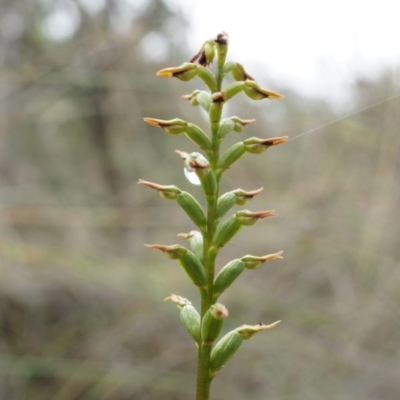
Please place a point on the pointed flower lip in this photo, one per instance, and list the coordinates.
(182, 154)
(188, 235)
(258, 146)
(267, 142)
(266, 258)
(157, 186)
(243, 122)
(175, 251)
(248, 194)
(162, 123)
(256, 92)
(191, 95)
(253, 262)
(174, 126)
(186, 71)
(248, 331)
(178, 300)
(257, 214)
(170, 192)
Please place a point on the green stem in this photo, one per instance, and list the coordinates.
(204, 354)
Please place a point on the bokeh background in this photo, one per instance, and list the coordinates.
(81, 300)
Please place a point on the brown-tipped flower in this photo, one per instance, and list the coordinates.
(175, 251)
(239, 73)
(247, 217)
(241, 123)
(236, 124)
(195, 239)
(253, 262)
(174, 126)
(248, 331)
(229, 199)
(192, 97)
(178, 300)
(256, 92)
(165, 191)
(206, 54)
(199, 97)
(243, 197)
(257, 146)
(189, 316)
(184, 72)
(190, 263)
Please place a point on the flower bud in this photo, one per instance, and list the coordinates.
(230, 343)
(193, 209)
(169, 192)
(228, 66)
(196, 165)
(198, 136)
(253, 262)
(189, 316)
(225, 203)
(173, 126)
(191, 321)
(243, 197)
(173, 252)
(192, 97)
(184, 72)
(233, 89)
(209, 53)
(226, 231)
(257, 146)
(236, 124)
(255, 92)
(195, 239)
(206, 54)
(194, 268)
(239, 74)
(225, 126)
(199, 97)
(248, 331)
(241, 123)
(190, 263)
(212, 323)
(225, 348)
(227, 276)
(247, 217)
(229, 199)
(231, 156)
(207, 77)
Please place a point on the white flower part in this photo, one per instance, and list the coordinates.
(191, 176)
(190, 172)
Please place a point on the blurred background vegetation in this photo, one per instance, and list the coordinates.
(81, 311)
